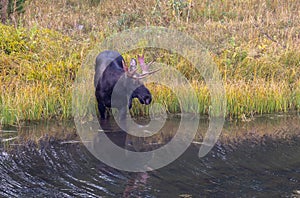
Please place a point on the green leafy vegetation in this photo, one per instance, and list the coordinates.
(254, 43)
(37, 69)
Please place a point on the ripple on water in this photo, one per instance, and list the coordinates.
(259, 158)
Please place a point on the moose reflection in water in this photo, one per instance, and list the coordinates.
(115, 82)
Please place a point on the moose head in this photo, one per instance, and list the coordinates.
(134, 84)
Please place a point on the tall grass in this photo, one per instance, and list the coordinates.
(255, 44)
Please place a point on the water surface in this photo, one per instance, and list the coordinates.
(260, 158)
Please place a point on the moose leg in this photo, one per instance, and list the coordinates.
(123, 113)
(122, 117)
(101, 109)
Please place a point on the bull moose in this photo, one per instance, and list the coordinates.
(111, 70)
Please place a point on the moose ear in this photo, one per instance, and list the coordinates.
(133, 63)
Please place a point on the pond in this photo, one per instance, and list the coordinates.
(259, 158)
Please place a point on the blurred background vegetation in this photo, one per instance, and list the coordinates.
(255, 43)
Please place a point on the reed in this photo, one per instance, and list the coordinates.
(254, 43)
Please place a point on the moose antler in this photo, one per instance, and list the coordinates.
(124, 66)
(145, 67)
(131, 71)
